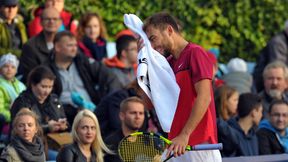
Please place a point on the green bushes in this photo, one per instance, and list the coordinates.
(237, 28)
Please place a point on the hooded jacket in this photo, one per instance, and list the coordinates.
(270, 141)
(124, 74)
(235, 141)
(5, 37)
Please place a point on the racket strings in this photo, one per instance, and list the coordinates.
(141, 148)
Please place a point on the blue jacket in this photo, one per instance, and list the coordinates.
(235, 141)
(265, 127)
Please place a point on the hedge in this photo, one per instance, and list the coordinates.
(237, 28)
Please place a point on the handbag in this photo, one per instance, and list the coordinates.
(57, 140)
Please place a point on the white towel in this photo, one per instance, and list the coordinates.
(155, 76)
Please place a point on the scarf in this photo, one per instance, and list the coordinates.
(98, 48)
(29, 152)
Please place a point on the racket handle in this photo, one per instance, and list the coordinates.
(218, 146)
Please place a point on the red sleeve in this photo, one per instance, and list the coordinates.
(201, 66)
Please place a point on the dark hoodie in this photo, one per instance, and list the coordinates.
(235, 141)
(270, 141)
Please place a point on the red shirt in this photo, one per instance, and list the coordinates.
(192, 66)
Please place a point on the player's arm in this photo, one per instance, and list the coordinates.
(199, 109)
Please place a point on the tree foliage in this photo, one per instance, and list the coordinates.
(237, 28)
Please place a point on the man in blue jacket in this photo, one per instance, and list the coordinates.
(273, 132)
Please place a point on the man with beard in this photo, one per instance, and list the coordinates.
(132, 118)
(275, 77)
(273, 133)
(195, 118)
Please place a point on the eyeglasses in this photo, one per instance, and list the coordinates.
(278, 115)
(50, 19)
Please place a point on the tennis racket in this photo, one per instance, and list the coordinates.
(148, 147)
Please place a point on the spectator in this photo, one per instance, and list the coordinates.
(276, 49)
(26, 145)
(76, 73)
(35, 26)
(125, 32)
(273, 132)
(238, 135)
(238, 76)
(88, 144)
(12, 29)
(132, 118)
(275, 77)
(124, 64)
(39, 99)
(92, 36)
(226, 100)
(10, 87)
(37, 50)
(108, 109)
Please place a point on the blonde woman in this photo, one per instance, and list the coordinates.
(88, 145)
(26, 145)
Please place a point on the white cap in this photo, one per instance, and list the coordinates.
(9, 58)
(237, 64)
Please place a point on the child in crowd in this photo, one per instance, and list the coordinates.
(10, 86)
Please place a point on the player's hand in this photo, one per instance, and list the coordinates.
(140, 42)
(178, 146)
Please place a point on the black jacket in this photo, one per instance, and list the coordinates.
(97, 78)
(268, 142)
(112, 142)
(51, 109)
(34, 53)
(72, 153)
(108, 110)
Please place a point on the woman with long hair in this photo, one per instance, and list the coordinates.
(38, 97)
(92, 36)
(26, 143)
(226, 100)
(88, 145)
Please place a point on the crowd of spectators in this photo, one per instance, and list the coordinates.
(54, 72)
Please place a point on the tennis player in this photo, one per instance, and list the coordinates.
(195, 118)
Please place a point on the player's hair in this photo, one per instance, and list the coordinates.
(160, 21)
